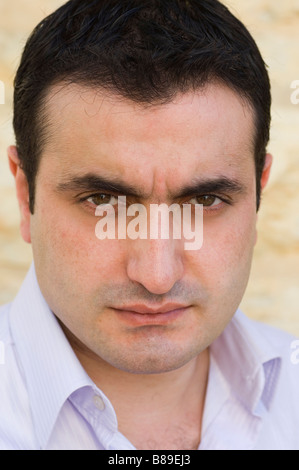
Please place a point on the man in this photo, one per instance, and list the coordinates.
(137, 342)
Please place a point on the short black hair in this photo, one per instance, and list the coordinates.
(144, 50)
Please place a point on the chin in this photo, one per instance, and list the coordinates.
(157, 362)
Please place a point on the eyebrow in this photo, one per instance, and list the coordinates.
(95, 183)
(90, 182)
(221, 184)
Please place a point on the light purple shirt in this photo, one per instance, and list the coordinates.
(47, 401)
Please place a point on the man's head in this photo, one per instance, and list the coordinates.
(144, 51)
(141, 111)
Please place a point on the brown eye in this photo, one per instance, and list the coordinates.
(102, 199)
(207, 201)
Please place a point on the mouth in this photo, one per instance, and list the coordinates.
(141, 315)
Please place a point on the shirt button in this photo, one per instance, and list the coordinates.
(99, 402)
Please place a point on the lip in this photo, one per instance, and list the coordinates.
(142, 315)
(145, 310)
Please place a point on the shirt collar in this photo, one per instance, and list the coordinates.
(248, 361)
(51, 368)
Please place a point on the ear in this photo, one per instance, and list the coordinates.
(265, 178)
(22, 190)
(266, 170)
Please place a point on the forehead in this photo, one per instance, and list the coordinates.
(92, 130)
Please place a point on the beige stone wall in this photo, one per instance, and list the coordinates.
(273, 291)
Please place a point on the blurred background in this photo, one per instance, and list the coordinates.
(273, 291)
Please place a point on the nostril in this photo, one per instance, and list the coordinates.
(156, 266)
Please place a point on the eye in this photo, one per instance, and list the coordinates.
(102, 199)
(207, 200)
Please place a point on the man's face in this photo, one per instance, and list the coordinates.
(109, 293)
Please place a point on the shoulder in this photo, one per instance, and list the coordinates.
(287, 347)
(283, 414)
(280, 352)
(274, 348)
(282, 345)
(15, 416)
(268, 337)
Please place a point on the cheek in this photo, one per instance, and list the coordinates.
(224, 260)
(68, 248)
(238, 240)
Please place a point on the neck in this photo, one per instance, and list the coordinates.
(154, 410)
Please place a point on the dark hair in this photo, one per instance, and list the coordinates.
(144, 50)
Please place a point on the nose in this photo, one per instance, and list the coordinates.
(156, 264)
